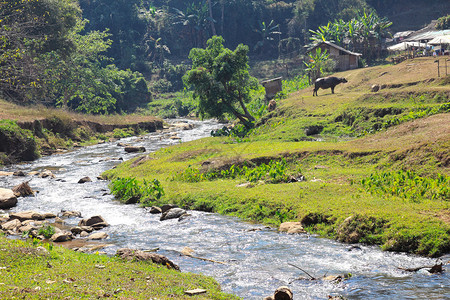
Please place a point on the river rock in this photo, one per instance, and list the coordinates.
(62, 236)
(3, 173)
(85, 179)
(11, 225)
(97, 222)
(68, 214)
(291, 227)
(98, 236)
(7, 198)
(123, 145)
(27, 215)
(131, 254)
(49, 215)
(23, 190)
(281, 293)
(132, 149)
(184, 216)
(80, 229)
(166, 207)
(195, 292)
(19, 173)
(26, 228)
(46, 174)
(172, 213)
(154, 210)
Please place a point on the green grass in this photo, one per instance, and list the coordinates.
(404, 129)
(28, 272)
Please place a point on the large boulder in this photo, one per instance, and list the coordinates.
(7, 198)
(85, 179)
(173, 213)
(27, 215)
(131, 254)
(23, 190)
(132, 149)
(98, 236)
(291, 227)
(11, 225)
(97, 222)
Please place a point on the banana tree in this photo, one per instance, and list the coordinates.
(267, 33)
(316, 63)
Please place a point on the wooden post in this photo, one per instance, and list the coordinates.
(437, 61)
(446, 67)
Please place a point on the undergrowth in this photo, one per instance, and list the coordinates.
(408, 185)
(130, 190)
(276, 171)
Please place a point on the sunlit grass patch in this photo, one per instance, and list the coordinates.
(44, 272)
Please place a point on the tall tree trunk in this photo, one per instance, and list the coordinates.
(213, 28)
(222, 17)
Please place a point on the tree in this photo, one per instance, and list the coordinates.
(29, 29)
(266, 33)
(221, 81)
(317, 63)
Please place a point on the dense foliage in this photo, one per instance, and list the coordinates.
(92, 55)
(47, 56)
(221, 80)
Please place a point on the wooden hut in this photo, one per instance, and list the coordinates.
(272, 86)
(345, 60)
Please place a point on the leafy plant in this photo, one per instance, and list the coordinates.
(130, 190)
(47, 231)
(276, 171)
(408, 185)
(316, 65)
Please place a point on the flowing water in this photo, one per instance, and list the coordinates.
(256, 259)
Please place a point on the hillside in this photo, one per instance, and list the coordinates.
(377, 172)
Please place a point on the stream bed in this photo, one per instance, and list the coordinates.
(257, 259)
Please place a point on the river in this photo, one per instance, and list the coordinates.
(257, 259)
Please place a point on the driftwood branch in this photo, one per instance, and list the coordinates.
(188, 252)
(437, 268)
(312, 277)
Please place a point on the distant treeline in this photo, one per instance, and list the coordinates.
(90, 55)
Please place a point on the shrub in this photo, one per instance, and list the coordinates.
(47, 231)
(130, 190)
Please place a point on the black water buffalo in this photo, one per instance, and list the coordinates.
(326, 83)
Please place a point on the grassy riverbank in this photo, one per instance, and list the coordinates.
(26, 132)
(379, 174)
(43, 271)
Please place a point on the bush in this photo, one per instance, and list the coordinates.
(130, 190)
(47, 231)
